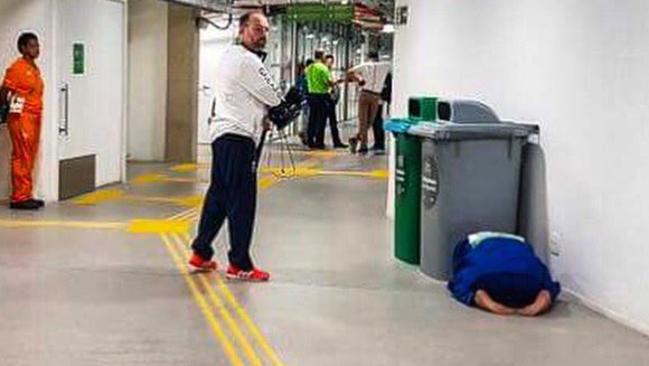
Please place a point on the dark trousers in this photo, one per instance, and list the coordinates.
(233, 195)
(333, 121)
(377, 129)
(318, 112)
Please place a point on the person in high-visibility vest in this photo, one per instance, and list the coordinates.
(23, 88)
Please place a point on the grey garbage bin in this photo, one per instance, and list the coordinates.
(470, 178)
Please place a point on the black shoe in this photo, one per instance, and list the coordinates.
(40, 203)
(24, 205)
(363, 150)
(340, 145)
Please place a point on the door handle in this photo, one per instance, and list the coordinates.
(64, 105)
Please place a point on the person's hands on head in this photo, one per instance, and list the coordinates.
(485, 302)
(542, 304)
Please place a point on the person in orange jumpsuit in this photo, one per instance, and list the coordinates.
(22, 88)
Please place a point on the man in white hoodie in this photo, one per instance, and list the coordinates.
(245, 90)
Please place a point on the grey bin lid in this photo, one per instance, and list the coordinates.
(465, 111)
(473, 131)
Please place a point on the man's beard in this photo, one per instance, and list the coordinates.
(260, 44)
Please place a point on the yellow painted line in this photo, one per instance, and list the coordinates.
(152, 199)
(243, 315)
(211, 319)
(249, 351)
(189, 216)
(302, 172)
(320, 154)
(193, 217)
(146, 226)
(149, 178)
(185, 180)
(62, 224)
(184, 168)
(99, 196)
(292, 173)
(183, 214)
(190, 201)
(267, 181)
(378, 174)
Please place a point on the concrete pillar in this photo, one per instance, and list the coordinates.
(147, 106)
(182, 84)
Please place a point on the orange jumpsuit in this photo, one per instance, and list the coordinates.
(24, 82)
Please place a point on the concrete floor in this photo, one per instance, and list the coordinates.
(80, 295)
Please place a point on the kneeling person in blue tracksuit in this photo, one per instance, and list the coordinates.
(500, 273)
(245, 90)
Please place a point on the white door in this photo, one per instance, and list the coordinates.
(90, 44)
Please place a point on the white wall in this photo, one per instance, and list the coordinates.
(213, 43)
(148, 79)
(580, 68)
(17, 16)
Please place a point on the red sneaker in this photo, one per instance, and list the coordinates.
(198, 264)
(254, 275)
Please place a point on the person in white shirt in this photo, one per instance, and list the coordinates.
(371, 78)
(244, 92)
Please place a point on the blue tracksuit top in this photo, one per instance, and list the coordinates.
(503, 267)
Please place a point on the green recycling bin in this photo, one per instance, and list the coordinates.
(407, 227)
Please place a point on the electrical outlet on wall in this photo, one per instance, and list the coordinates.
(555, 243)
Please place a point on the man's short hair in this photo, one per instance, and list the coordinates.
(245, 18)
(308, 62)
(318, 54)
(24, 39)
(329, 56)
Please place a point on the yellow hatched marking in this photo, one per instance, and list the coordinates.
(185, 180)
(184, 168)
(149, 178)
(211, 319)
(183, 214)
(147, 226)
(221, 308)
(378, 174)
(190, 201)
(62, 224)
(243, 315)
(99, 196)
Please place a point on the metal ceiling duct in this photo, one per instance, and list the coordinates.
(218, 6)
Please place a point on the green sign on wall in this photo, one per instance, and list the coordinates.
(78, 59)
(334, 13)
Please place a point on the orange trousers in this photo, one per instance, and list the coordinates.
(25, 131)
